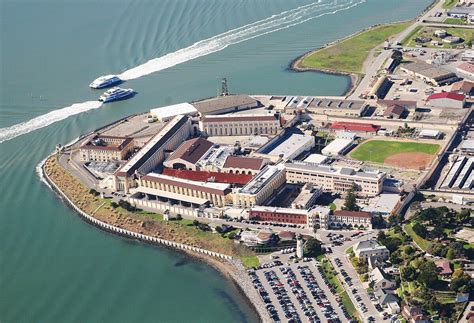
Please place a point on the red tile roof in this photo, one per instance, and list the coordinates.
(394, 109)
(192, 150)
(444, 267)
(467, 67)
(244, 162)
(446, 95)
(463, 86)
(354, 126)
(236, 118)
(203, 176)
(354, 214)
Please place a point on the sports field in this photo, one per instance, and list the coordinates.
(403, 154)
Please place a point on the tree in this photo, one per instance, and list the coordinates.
(408, 250)
(428, 273)
(114, 205)
(420, 229)
(464, 283)
(450, 254)
(381, 236)
(179, 217)
(312, 248)
(437, 232)
(463, 216)
(196, 223)
(350, 202)
(408, 273)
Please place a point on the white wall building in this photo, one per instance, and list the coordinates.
(371, 249)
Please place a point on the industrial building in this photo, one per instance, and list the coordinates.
(153, 153)
(106, 148)
(262, 186)
(337, 147)
(167, 113)
(428, 73)
(467, 146)
(188, 154)
(332, 179)
(337, 107)
(239, 125)
(286, 146)
(463, 87)
(446, 100)
(214, 192)
(225, 104)
(346, 220)
(460, 175)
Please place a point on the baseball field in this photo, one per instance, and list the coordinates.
(403, 154)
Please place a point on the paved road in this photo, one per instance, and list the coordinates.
(372, 71)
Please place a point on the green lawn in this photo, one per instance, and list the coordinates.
(422, 243)
(465, 34)
(455, 21)
(349, 55)
(448, 4)
(250, 261)
(377, 150)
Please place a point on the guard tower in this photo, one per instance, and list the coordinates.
(224, 90)
(299, 246)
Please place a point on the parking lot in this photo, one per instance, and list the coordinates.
(298, 293)
(340, 241)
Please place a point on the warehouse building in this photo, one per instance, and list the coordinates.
(152, 154)
(225, 104)
(106, 148)
(447, 100)
(167, 113)
(428, 73)
(460, 175)
(286, 146)
(337, 107)
(466, 69)
(262, 186)
(188, 154)
(463, 87)
(216, 193)
(332, 179)
(239, 125)
(337, 147)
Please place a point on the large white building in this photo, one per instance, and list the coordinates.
(337, 147)
(239, 125)
(286, 146)
(261, 187)
(153, 153)
(335, 179)
(371, 249)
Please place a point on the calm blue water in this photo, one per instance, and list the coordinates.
(54, 267)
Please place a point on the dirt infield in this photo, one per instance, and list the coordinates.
(412, 160)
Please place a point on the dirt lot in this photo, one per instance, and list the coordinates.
(412, 160)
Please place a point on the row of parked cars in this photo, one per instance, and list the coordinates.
(334, 292)
(282, 296)
(305, 303)
(257, 284)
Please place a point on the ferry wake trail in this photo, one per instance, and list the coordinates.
(283, 20)
(46, 119)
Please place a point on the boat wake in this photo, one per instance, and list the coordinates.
(283, 20)
(46, 119)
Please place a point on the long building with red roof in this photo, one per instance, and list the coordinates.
(204, 176)
(355, 126)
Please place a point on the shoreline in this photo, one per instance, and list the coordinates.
(228, 267)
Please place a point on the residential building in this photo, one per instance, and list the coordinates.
(444, 268)
(447, 100)
(371, 248)
(244, 165)
(428, 73)
(239, 125)
(106, 148)
(380, 279)
(388, 300)
(337, 147)
(335, 179)
(152, 153)
(225, 104)
(346, 220)
(188, 154)
(414, 314)
(216, 193)
(261, 187)
(167, 113)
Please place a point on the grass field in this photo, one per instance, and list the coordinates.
(455, 21)
(250, 261)
(465, 34)
(422, 243)
(377, 150)
(448, 4)
(349, 55)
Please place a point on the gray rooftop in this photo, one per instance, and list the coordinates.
(214, 105)
(428, 70)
